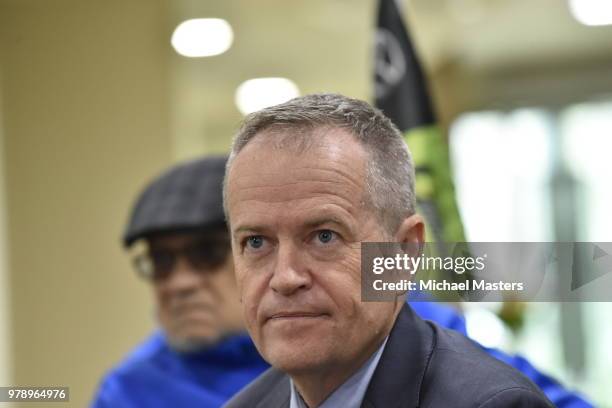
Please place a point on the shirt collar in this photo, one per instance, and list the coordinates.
(351, 393)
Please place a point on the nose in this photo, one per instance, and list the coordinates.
(290, 272)
(183, 279)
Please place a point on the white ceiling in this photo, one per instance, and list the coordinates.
(325, 45)
(494, 33)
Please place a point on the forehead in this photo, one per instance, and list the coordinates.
(328, 174)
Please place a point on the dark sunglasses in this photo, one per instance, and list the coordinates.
(204, 256)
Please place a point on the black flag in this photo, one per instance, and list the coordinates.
(401, 93)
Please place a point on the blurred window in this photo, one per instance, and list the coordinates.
(507, 167)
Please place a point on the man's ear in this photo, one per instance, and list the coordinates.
(411, 233)
(411, 230)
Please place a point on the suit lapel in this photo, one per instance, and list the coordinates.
(400, 371)
(279, 394)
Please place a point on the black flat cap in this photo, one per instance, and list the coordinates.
(186, 197)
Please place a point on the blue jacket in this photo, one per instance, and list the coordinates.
(154, 376)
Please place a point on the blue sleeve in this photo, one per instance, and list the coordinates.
(147, 388)
(108, 395)
(450, 318)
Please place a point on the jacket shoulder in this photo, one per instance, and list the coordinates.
(271, 389)
(113, 387)
(468, 376)
(516, 397)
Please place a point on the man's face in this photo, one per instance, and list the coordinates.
(195, 288)
(297, 220)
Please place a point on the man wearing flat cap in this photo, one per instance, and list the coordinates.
(201, 356)
(307, 181)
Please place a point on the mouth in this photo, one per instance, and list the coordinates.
(187, 305)
(296, 316)
(192, 313)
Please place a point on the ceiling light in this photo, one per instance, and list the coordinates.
(259, 93)
(591, 12)
(202, 37)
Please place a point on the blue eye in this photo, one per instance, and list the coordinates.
(255, 242)
(325, 236)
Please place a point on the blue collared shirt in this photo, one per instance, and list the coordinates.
(351, 393)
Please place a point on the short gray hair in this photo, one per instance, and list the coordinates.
(389, 170)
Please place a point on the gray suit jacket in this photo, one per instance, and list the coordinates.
(422, 365)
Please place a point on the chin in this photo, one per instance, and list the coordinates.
(293, 357)
(190, 344)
